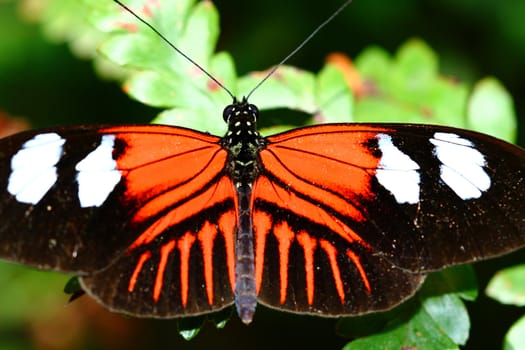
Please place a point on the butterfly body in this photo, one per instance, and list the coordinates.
(334, 219)
(243, 143)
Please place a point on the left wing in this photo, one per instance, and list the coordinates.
(144, 214)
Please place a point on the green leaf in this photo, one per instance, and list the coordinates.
(134, 45)
(515, 337)
(221, 318)
(288, 87)
(21, 286)
(190, 327)
(193, 118)
(72, 286)
(408, 88)
(325, 96)
(160, 76)
(450, 314)
(374, 63)
(435, 318)
(202, 27)
(460, 280)
(491, 110)
(419, 332)
(66, 21)
(158, 90)
(333, 97)
(508, 286)
(63, 21)
(417, 64)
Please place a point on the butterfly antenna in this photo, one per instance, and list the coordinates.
(304, 42)
(175, 48)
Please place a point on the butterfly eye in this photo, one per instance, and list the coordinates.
(254, 111)
(227, 112)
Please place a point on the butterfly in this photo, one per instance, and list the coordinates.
(334, 219)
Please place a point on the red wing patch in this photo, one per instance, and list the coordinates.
(308, 206)
(184, 205)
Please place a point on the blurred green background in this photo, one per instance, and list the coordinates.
(44, 83)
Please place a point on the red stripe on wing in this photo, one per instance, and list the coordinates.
(331, 253)
(357, 262)
(309, 244)
(165, 251)
(227, 225)
(206, 237)
(284, 236)
(184, 246)
(262, 223)
(138, 267)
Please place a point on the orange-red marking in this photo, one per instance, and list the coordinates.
(309, 244)
(180, 160)
(285, 236)
(130, 27)
(227, 224)
(153, 143)
(315, 187)
(206, 237)
(331, 157)
(181, 176)
(165, 252)
(331, 253)
(262, 223)
(353, 79)
(184, 246)
(133, 280)
(223, 190)
(147, 9)
(357, 262)
(272, 193)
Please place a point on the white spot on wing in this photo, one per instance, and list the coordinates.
(397, 172)
(97, 174)
(462, 165)
(33, 168)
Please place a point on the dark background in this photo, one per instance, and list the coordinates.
(44, 83)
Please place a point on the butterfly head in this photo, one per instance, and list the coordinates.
(241, 118)
(240, 111)
(242, 139)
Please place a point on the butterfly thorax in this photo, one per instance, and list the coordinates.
(242, 140)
